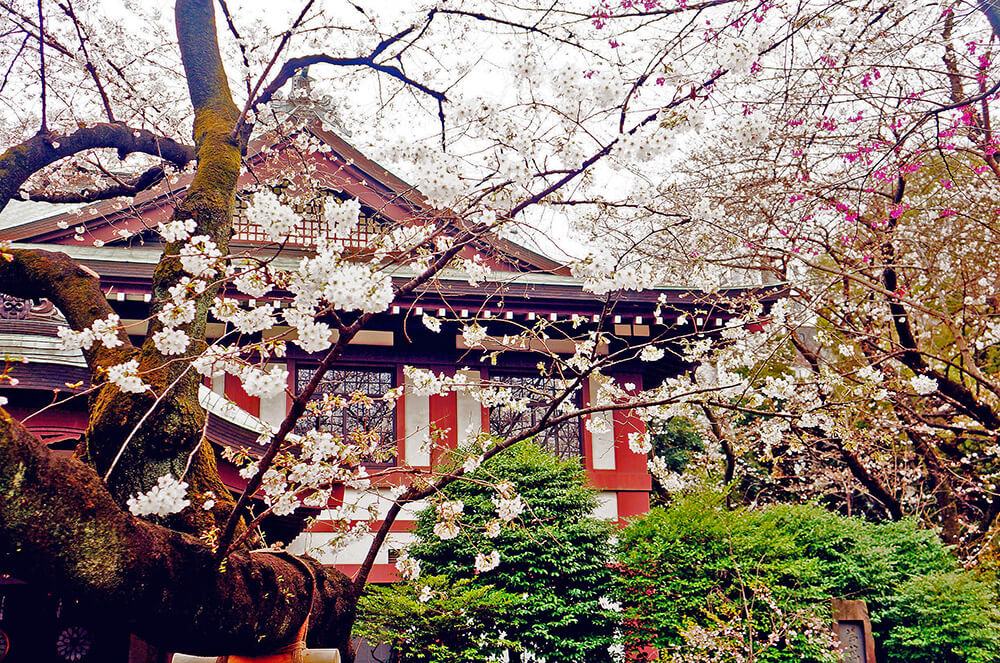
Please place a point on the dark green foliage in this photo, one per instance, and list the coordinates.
(557, 557)
(943, 618)
(456, 622)
(676, 442)
(698, 566)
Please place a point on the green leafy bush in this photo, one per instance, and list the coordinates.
(943, 618)
(720, 584)
(435, 620)
(556, 558)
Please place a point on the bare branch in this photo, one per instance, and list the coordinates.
(41, 67)
(238, 130)
(127, 187)
(291, 66)
(239, 42)
(91, 69)
(520, 26)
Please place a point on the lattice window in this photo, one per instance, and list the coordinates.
(564, 439)
(377, 417)
(313, 226)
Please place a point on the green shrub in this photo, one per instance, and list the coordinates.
(697, 577)
(435, 620)
(943, 618)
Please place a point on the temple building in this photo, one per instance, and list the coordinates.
(119, 242)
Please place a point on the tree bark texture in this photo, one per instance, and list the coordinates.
(164, 443)
(62, 531)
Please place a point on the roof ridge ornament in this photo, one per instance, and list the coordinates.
(301, 105)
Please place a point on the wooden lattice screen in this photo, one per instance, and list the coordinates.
(312, 227)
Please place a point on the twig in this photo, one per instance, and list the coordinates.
(41, 57)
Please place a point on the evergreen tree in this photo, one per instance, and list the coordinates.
(556, 557)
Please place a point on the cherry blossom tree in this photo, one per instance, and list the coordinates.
(509, 119)
(863, 177)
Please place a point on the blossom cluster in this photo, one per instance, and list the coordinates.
(166, 497)
(104, 331)
(448, 511)
(408, 567)
(603, 272)
(486, 563)
(276, 218)
(126, 377)
(508, 503)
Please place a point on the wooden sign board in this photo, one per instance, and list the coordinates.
(854, 630)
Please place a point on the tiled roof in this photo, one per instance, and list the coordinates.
(19, 212)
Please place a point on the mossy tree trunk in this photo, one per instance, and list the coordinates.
(165, 441)
(62, 530)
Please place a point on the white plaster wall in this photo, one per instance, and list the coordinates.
(395, 541)
(470, 412)
(607, 506)
(410, 511)
(273, 408)
(313, 544)
(219, 384)
(602, 444)
(363, 499)
(417, 422)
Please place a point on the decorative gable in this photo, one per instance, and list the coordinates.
(315, 167)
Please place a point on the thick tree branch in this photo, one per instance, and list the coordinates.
(727, 446)
(130, 186)
(912, 358)
(22, 161)
(991, 9)
(60, 529)
(869, 481)
(945, 496)
(75, 290)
